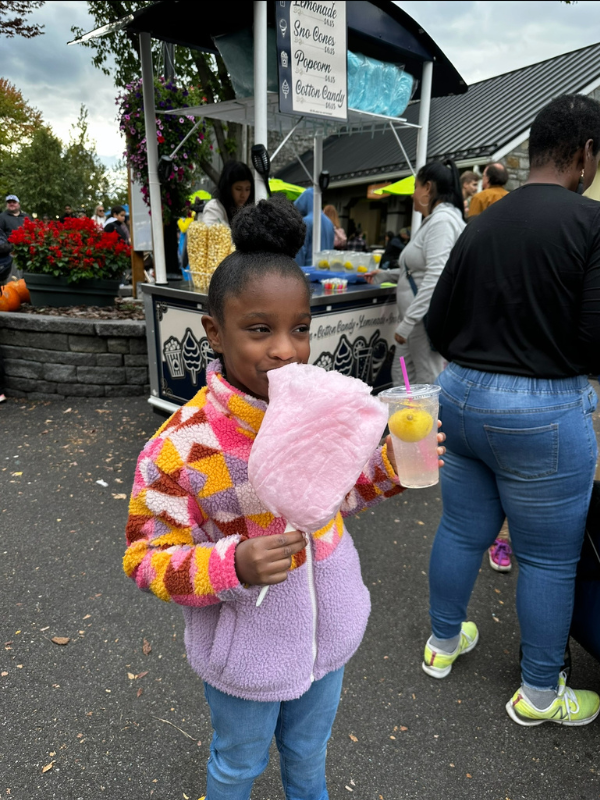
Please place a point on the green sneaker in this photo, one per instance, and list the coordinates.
(438, 665)
(571, 707)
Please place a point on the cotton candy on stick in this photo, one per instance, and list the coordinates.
(319, 431)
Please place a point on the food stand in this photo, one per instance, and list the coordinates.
(352, 331)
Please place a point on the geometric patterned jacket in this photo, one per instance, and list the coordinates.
(192, 504)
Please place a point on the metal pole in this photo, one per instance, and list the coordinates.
(317, 169)
(160, 269)
(260, 88)
(423, 136)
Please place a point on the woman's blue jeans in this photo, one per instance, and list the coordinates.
(244, 730)
(523, 448)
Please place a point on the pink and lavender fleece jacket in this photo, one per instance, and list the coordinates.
(192, 504)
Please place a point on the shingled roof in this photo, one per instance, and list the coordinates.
(486, 122)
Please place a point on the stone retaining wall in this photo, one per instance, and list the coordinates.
(56, 357)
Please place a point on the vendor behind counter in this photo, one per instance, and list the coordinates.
(304, 204)
(235, 190)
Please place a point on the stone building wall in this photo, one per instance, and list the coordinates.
(55, 357)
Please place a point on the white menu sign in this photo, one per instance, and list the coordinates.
(312, 58)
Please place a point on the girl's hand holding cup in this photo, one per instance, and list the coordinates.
(441, 437)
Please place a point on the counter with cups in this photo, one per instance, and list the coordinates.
(352, 331)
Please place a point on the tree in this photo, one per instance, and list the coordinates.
(15, 25)
(85, 177)
(190, 66)
(18, 120)
(35, 174)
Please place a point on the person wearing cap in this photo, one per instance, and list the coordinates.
(12, 217)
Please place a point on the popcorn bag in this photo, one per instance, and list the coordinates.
(319, 431)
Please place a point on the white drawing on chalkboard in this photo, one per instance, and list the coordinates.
(359, 359)
(283, 27)
(172, 353)
(285, 88)
(284, 59)
(192, 358)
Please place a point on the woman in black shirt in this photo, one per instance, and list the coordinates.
(517, 312)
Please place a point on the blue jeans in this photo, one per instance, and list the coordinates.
(523, 448)
(244, 729)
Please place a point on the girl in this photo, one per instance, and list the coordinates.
(235, 190)
(438, 197)
(198, 535)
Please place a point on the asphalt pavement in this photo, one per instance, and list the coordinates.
(116, 712)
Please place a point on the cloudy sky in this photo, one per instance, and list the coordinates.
(481, 38)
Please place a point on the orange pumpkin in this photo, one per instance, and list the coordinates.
(22, 290)
(9, 299)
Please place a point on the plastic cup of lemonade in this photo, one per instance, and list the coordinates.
(412, 420)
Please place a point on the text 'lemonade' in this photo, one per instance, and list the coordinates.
(413, 426)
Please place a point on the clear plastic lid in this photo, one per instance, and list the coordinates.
(398, 394)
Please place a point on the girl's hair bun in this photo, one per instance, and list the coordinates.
(271, 226)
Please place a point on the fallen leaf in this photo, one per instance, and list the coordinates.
(349, 788)
(19, 666)
(4, 674)
(51, 755)
(16, 474)
(353, 737)
(419, 522)
(45, 629)
(392, 737)
(403, 728)
(495, 618)
(48, 767)
(469, 775)
(102, 483)
(131, 676)
(142, 674)
(80, 735)
(139, 692)
(146, 647)
(67, 411)
(61, 639)
(451, 765)
(120, 496)
(185, 797)
(87, 616)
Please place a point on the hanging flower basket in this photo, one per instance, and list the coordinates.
(171, 130)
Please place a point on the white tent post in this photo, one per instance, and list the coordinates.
(260, 88)
(160, 269)
(317, 169)
(424, 109)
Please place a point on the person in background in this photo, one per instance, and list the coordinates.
(98, 216)
(12, 217)
(517, 313)
(81, 214)
(438, 197)
(304, 204)
(116, 222)
(68, 212)
(235, 190)
(339, 234)
(393, 247)
(469, 182)
(494, 179)
(357, 242)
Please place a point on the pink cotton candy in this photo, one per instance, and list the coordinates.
(319, 431)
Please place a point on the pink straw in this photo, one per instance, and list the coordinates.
(405, 375)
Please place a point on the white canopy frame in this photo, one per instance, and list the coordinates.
(263, 112)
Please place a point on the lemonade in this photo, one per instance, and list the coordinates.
(413, 427)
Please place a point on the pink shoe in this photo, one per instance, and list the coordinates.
(499, 554)
(2, 398)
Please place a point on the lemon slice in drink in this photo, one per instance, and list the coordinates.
(411, 424)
